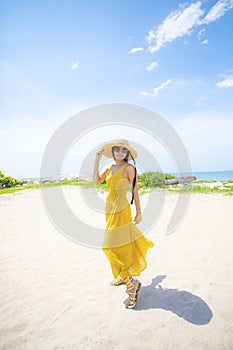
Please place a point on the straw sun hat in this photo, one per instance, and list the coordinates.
(107, 148)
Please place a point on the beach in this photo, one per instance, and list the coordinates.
(55, 293)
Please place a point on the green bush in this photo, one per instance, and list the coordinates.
(152, 179)
(168, 176)
(8, 181)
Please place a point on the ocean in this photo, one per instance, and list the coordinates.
(200, 175)
(210, 175)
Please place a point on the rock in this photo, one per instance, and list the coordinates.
(184, 180)
(26, 182)
(44, 181)
(36, 182)
(187, 179)
(171, 181)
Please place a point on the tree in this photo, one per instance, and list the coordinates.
(8, 181)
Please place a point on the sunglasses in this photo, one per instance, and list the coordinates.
(120, 149)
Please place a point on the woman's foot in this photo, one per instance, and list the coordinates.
(118, 281)
(133, 286)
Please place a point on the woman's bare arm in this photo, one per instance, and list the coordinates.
(131, 172)
(97, 178)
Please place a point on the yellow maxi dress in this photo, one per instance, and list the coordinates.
(124, 244)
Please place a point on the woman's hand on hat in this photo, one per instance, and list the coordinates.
(99, 154)
(138, 218)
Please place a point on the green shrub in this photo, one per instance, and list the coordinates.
(168, 176)
(8, 181)
(152, 179)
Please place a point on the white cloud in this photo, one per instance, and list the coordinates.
(201, 36)
(162, 86)
(136, 49)
(151, 66)
(201, 32)
(176, 24)
(143, 93)
(218, 10)
(74, 65)
(181, 22)
(156, 90)
(226, 83)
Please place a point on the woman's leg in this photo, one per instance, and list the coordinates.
(118, 281)
(132, 287)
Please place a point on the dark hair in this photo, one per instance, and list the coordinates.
(127, 156)
(113, 152)
(134, 179)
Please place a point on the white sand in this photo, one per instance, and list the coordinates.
(55, 294)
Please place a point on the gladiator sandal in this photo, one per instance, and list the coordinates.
(118, 281)
(133, 286)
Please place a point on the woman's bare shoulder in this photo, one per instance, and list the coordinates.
(130, 169)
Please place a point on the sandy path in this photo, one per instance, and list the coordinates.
(55, 294)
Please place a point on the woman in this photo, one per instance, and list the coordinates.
(124, 244)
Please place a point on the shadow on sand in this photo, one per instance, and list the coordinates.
(184, 304)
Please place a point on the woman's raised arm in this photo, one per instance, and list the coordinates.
(97, 178)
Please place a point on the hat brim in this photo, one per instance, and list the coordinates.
(107, 150)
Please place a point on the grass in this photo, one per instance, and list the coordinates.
(75, 182)
(201, 189)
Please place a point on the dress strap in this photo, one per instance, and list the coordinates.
(122, 168)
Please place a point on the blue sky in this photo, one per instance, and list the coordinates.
(60, 57)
